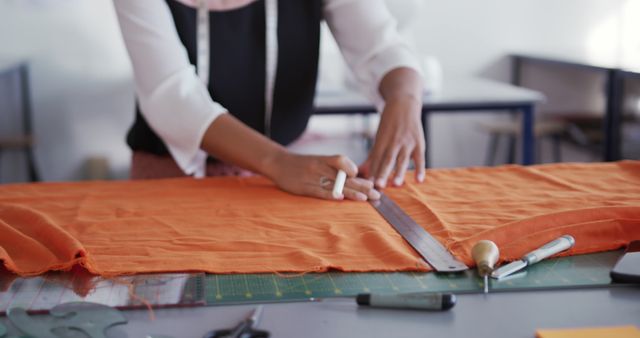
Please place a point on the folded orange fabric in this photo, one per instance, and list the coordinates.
(243, 225)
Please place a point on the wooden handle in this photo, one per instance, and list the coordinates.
(485, 253)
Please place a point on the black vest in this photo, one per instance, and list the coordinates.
(237, 67)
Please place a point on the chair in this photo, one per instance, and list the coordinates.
(511, 130)
(15, 115)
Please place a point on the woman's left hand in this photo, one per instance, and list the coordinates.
(399, 139)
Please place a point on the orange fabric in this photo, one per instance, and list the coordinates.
(229, 225)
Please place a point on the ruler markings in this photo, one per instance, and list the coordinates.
(426, 245)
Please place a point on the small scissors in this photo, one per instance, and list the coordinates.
(244, 329)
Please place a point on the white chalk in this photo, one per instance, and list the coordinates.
(338, 186)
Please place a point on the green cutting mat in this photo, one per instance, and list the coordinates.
(569, 272)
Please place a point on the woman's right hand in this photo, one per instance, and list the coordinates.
(298, 174)
(314, 176)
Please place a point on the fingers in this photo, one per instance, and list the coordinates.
(363, 186)
(341, 162)
(402, 163)
(365, 169)
(354, 195)
(398, 164)
(355, 188)
(315, 176)
(399, 139)
(320, 192)
(360, 184)
(419, 161)
(385, 167)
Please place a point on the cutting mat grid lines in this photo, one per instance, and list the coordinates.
(47, 291)
(575, 271)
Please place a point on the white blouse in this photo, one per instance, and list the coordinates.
(176, 103)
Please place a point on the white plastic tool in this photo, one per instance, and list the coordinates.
(338, 186)
(558, 245)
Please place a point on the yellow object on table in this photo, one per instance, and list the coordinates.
(600, 332)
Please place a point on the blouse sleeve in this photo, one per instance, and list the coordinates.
(172, 99)
(368, 38)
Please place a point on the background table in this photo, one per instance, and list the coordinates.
(457, 95)
(614, 93)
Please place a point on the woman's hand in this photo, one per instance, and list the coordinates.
(399, 139)
(298, 174)
(314, 176)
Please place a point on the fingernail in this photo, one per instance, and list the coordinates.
(421, 177)
(397, 181)
(381, 183)
(361, 197)
(374, 194)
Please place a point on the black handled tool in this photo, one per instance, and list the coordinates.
(244, 329)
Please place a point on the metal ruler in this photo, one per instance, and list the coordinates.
(428, 247)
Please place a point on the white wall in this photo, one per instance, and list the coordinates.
(81, 81)
(82, 89)
(473, 38)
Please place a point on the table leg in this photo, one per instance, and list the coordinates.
(613, 117)
(528, 140)
(26, 106)
(425, 130)
(516, 70)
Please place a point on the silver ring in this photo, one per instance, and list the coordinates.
(325, 182)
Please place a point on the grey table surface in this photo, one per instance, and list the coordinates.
(470, 92)
(475, 315)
